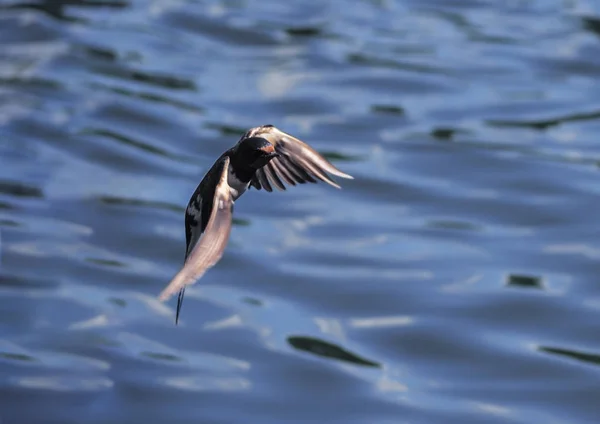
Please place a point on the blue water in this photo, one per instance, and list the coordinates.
(454, 280)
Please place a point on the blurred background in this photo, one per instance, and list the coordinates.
(455, 280)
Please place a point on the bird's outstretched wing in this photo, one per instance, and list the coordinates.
(297, 162)
(209, 248)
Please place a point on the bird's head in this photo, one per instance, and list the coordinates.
(257, 151)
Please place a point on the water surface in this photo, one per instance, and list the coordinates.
(453, 281)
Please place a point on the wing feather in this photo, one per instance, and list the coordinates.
(297, 162)
(273, 177)
(262, 180)
(300, 174)
(285, 174)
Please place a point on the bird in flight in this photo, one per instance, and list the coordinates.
(264, 157)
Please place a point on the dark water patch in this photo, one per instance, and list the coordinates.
(126, 140)
(152, 97)
(149, 78)
(29, 280)
(154, 204)
(371, 60)
(225, 129)
(21, 357)
(158, 356)
(105, 262)
(543, 124)
(252, 301)
(138, 125)
(99, 53)
(448, 224)
(6, 206)
(218, 30)
(592, 24)
(492, 39)
(242, 222)
(304, 31)
(525, 281)
(590, 358)
(9, 223)
(30, 83)
(328, 350)
(58, 8)
(388, 109)
(446, 133)
(117, 301)
(20, 189)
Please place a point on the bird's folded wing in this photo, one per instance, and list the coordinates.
(297, 163)
(210, 247)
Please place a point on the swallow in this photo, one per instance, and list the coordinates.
(263, 158)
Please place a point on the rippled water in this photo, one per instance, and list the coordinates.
(453, 281)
